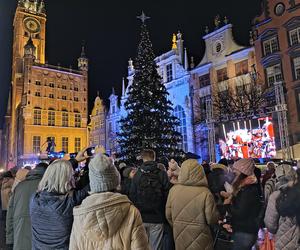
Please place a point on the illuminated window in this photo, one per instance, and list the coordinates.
(169, 72)
(51, 96)
(51, 118)
(36, 144)
(77, 144)
(65, 119)
(77, 120)
(222, 74)
(204, 81)
(294, 36)
(65, 144)
(241, 68)
(37, 117)
(180, 114)
(270, 46)
(274, 74)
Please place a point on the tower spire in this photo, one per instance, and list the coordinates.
(83, 62)
(123, 87)
(113, 91)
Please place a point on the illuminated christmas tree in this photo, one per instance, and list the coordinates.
(150, 122)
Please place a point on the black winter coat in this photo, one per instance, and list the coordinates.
(151, 213)
(246, 210)
(52, 218)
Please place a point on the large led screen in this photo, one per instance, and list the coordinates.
(247, 139)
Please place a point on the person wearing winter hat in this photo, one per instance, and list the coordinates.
(244, 221)
(106, 219)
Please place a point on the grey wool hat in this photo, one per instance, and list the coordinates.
(103, 174)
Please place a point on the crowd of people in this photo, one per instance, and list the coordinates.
(155, 204)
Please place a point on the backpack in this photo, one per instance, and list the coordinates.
(149, 190)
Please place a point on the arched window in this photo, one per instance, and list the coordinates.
(180, 114)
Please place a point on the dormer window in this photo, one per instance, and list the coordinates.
(169, 69)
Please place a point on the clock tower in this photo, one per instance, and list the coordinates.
(29, 25)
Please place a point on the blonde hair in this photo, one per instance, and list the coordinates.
(58, 178)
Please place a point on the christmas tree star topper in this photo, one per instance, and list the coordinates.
(143, 17)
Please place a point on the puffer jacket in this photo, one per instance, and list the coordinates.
(287, 233)
(107, 221)
(6, 192)
(52, 218)
(191, 209)
(18, 223)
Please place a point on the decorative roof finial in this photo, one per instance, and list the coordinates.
(130, 64)
(98, 94)
(179, 35)
(192, 62)
(186, 60)
(251, 40)
(83, 50)
(113, 91)
(206, 29)
(123, 87)
(226, 20)
(217, 21)
(143, 17)
(174, 44)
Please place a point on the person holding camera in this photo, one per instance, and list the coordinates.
(51, 208)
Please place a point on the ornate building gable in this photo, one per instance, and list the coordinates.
(219, 44)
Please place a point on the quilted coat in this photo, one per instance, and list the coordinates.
(287, 233)
(191, 209)
(107, 221)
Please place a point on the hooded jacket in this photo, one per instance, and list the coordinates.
(18, 223)
(107, 221)
(191, 209)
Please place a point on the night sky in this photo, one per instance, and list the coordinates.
(111, 32)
